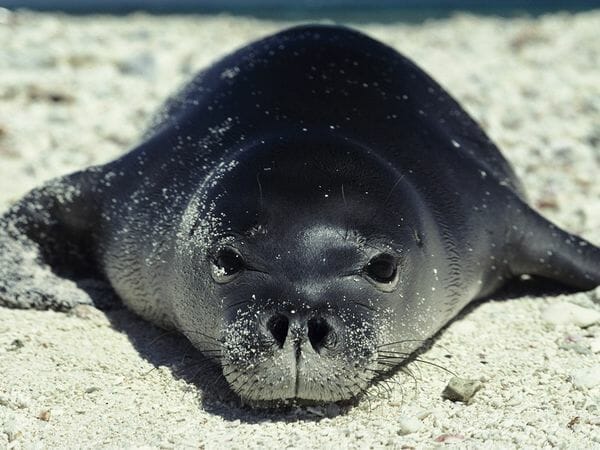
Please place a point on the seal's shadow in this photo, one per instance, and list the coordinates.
(517, 288)
(173, 350)
(513, 289)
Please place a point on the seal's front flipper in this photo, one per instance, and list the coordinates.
(541, 248)
(46, 245)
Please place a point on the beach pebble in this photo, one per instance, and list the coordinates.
(37, 93)
(587, 377)
(44, 415)
(450, 438)
(567, 313)
(407, 425)
(575, 343)
(461, 389)
(595, 345)
(16, 345)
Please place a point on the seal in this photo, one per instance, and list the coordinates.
(307, 212)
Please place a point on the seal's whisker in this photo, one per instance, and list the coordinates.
(199, 333)
(393, 361)
(408, 372)
(205, 352)
(201, 356)
(387, 344)
(366, 395)
(191, 379)
(235, 380)
(389, 365)
(383, 385)
(338, 386)
(387, 198)
(370, 308)
(260, 192)
(393, 352)
(162, 335)
(395, 383)
(195, 364)
(207, 347)
(211, 350)
(216, 379)
(232, 383)
(239, 388)
(245, 388)
(240, 303)
(377, 372)
(183, 371)
(184, 356)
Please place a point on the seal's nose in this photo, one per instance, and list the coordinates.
(278, 325)
(316, 329)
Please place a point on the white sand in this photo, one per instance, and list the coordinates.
(77, 381)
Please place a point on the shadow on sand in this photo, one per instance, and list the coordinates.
(173, 350)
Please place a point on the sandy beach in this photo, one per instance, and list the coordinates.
(77, 91)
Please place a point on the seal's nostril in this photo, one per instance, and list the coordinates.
(278, 325)
(318, 330)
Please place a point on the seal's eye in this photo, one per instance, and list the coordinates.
(382, 268)
(227, 264)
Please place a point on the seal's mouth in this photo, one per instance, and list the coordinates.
(291, 360)
(305, 380)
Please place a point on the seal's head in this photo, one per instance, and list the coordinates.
(306, 270)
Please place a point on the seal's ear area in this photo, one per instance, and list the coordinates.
(538, 247)
(46, 245)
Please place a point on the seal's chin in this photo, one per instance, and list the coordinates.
(289, 375)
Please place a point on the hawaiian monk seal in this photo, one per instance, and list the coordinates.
(304, 206)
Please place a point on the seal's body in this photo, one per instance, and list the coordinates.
(305, 210)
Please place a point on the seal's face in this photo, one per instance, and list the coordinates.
(303, 313)
(303, 276)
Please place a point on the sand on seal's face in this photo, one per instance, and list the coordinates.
(78, 91)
